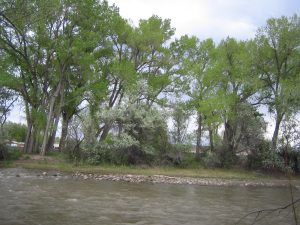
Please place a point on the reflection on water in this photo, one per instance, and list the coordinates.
(26, 198)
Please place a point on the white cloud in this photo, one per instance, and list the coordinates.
(215, 19)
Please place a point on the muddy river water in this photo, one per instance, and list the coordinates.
(29, 198)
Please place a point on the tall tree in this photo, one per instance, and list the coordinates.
(278, 64)
(49, 41)
(238, 82)
(7, 100)
(138, 68)
(195, 58)
(180, 118)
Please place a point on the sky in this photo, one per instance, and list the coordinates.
(215, 19)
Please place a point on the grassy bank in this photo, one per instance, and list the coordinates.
(169, 171)
(56, 162)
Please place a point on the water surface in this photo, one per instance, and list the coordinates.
(27, 197)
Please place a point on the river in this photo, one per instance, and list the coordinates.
(29, 198)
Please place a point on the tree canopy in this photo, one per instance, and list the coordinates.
(80, 62)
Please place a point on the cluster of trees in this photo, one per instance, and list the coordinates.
(14, 132)
(113, 85)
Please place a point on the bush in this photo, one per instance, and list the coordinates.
(290, 157)
(255, 159)
(211, 160)
(273, 163)
(132, 155)
(265, 158)
(8, 153)
(14, 154)
(176, 155)
(73, 150)
(15, 131)
(3, 151)
(120, 150)
(224, 157)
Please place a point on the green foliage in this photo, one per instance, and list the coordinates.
(277, 57)
(180, 116)
(211, 160)
(62, 56)
(273, 162)
(15, 131)
(8, 153)
(13, 154)
(7, 99)
(141, 135)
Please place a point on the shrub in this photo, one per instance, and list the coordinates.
(3, 151)
(211, 160)
(8, 153)
(273, 162)
(258, 157)
(14, 154)
(123, 149)
(265, 158)
(15, 131)
(176, 155)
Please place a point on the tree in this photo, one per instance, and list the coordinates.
(237, 83)
(138, 70)
(81, 23)
(288, 142)
(7, 99)
(278, 64)
(48, 42)
(15, 131)
(180, 117)
(119, 73)
(22, 72)
(194, 59)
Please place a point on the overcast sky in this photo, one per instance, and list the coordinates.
(215, 19)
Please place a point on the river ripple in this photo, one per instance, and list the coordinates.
(27, 197)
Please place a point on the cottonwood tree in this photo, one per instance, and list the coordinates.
(180, 117)
(138, 70)
(27, 60)
(7, 99)
(83, 28)
(194, 60)
(278, 64)
(48, 41)
(119, 72)
(237, 83)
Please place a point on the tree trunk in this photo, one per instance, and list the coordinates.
(228, 137)
(31, 142)
(36, 143)
(49, 121)
(64, 133)
(51, 140)
(105, 132)
(120, 128)
(199, 136)
(211, 139)
(276, 131)
(51, 115)
(28, 135)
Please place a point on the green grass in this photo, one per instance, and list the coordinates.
(168, 171)
(7, 163)
(58, 162)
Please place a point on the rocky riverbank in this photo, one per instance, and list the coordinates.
(181, 180)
